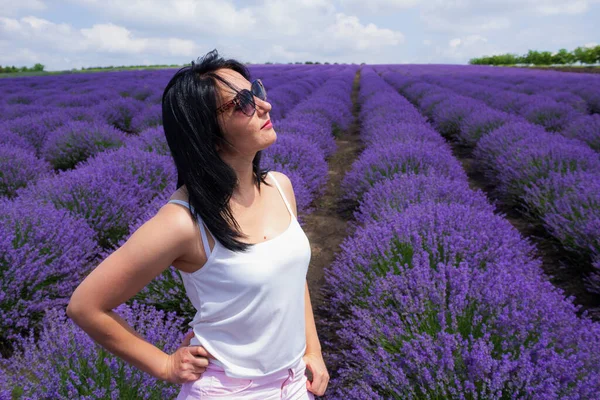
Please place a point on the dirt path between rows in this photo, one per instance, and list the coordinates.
(327, 226)
(556, 262)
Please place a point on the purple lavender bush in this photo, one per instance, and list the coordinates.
(76, 141)
(576, 102)
(106, 205)
(40, 265)
(21, 110)
(379, 131)
(19, 167)
(568, 205)
(35, 128)
(504, 140)
(533, 158)
(151, 139)
(137, 91)
(120, 112)
(379, 163)
(553, 116)
(9, 137)
(479, 123)
(331, 100)
(448, 114)
(396, 194)
(66, 363)
(390, 106)
(148, 117)
(429, 101)
(585, 128)
(317, 129)
(146, 173)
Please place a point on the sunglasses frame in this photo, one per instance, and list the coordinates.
(236, 101)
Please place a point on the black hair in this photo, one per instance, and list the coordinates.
(192, 130)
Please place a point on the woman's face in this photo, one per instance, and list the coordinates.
(244, 133)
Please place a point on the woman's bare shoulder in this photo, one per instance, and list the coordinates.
(180, 194)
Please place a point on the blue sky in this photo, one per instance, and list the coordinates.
(65, 34)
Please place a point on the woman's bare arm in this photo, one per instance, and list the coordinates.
(148, 252)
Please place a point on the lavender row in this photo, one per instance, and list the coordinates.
(549, 109)
(563, 87)
(556, 111)
(435, 295)
(552, 178)
(555, 84)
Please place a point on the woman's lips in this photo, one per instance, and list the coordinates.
(267, 124)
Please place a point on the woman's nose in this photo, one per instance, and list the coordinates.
(264, 105)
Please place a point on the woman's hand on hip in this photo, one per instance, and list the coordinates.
(187, 363)
(320, 377)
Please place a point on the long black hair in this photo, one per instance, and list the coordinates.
(189, 104)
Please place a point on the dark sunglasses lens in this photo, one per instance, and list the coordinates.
(259, 90)
(247, 102)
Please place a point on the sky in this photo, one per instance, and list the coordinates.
(67, 34)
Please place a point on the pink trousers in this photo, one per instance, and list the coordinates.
(214, 384)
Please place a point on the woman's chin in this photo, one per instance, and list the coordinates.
(272, 135)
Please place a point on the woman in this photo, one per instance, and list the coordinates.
(254, 334)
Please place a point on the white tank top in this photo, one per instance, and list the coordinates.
(250, 306)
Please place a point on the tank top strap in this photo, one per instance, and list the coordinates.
(281, 193)
(200, 222)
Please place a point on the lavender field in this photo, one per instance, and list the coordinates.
(433, 293)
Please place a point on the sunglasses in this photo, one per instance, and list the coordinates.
(244, 99)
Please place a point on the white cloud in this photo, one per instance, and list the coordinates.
(38, 38)
(347, 31)
(219, 17)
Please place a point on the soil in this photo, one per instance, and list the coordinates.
(562, 269)
(327, 226)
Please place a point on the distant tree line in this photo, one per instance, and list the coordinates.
(36, 68)
(583, 55)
